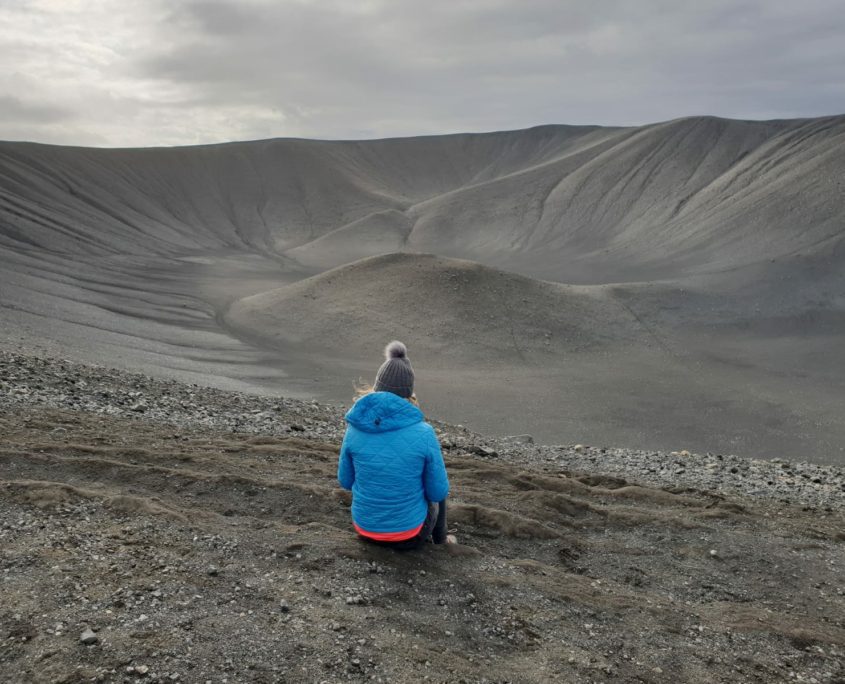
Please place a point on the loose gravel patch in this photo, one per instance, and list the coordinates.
(158, 532)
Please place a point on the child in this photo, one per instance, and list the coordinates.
(391, 460)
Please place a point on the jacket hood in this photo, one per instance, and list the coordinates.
(383, 412)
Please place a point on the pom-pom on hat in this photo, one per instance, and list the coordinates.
(396, 374)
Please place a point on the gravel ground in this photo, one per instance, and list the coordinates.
(158, 532)
(38, 381)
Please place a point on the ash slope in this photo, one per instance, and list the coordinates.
(455, 311)
(716, 245)
(506, 353)
(571, 204)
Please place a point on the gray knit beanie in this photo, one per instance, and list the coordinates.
(395, 374)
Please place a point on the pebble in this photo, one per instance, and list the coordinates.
(521, 439)
(89, 637)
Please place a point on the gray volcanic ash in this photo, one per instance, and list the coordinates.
(681, 284)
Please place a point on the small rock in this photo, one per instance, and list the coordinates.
(213, 571)
(89, 637)
(283, 606)
(485, 451)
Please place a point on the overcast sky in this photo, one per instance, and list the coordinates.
(118, 73)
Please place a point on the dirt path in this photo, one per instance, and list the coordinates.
(197, 555)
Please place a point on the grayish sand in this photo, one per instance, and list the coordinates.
(673, 286)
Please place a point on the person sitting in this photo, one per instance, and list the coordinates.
(391, 461)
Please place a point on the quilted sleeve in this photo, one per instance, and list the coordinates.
(345, 466)
(435, 479)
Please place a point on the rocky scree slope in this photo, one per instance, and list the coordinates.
(160, 532)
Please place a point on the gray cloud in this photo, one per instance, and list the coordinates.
(15, 110)
(196, 71)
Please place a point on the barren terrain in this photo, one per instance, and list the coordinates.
(674, 286)
(200, 536)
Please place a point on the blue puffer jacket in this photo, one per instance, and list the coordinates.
(391, 460)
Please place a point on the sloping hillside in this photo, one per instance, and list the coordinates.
(579, 204)
(265, 196)
(456, 309)
(664, 201)
(205, 537)
(677, 281)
